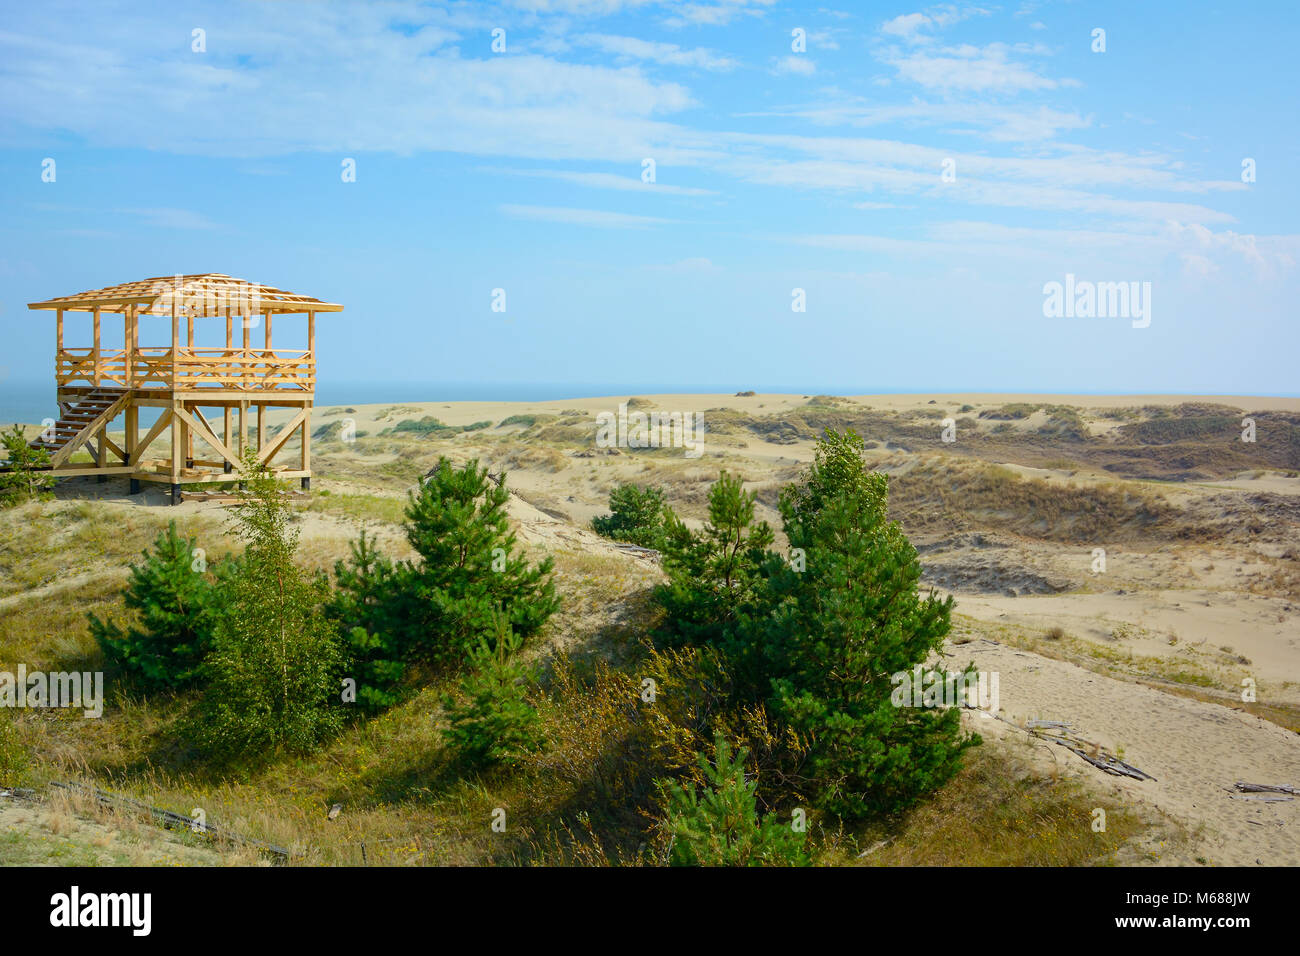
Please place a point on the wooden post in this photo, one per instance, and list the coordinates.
(58, 347)
(176, 342)
(177, 427)
(101, 451)
(306, 445)
(243, 427)
(97, 362)
(261, 428)
(311, 351)
(230, 343)
(132, 430)
(225, 435)
(244, 365)
(189, 441)
(130, 344)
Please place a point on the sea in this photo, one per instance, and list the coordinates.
(30, 402)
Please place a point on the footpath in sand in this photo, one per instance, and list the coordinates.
(1195, 750)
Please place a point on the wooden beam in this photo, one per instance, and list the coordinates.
(265, 455)
(132, 431)
(97, 346)
(131, 344)
(76, 470)
(206, 434)
(178, 428)
(112, 445)
(163, 420)
(306, 438)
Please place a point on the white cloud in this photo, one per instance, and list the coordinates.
(915, 27)
(906, 26)
(968, 68)
(719, 13)
(668, 54)
(795, 63)
(603, 181)
(598, 218)
(997, 123)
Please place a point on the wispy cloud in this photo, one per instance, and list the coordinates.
(967, 68)
(602, 181)
(795, 63)
(917, 27)
(597, 218)
(667, 54)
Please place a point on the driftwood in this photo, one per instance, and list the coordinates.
(1105, 761)
(1266, 788)
(650, 554)
(1072, 742)
(1262, 792)
(171, 820)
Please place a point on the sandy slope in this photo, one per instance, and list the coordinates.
(1193, 749)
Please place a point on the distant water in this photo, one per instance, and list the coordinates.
(26, 402)
(367, 393)
(30, 402)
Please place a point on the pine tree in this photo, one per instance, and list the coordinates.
(714, 574)
(720, 825)
(273, 676)
(636, 516)
(837, 631)
(469, 569)
(175, 601)
(495, 724)
(362, 606)
(23, 478)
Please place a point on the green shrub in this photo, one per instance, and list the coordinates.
(433, 611)
(721, 826)
(23, 480)
(636, 516)
(809, 643)
(361, 606)
(14, 758)
(494, 724)
(176, 601)
(714, 573)
(272, 679)
(834, 633)
(469, 568)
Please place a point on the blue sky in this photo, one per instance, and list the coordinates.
(775, 169)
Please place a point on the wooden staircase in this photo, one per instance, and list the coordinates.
(80, 421)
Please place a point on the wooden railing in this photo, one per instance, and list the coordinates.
(199, 368)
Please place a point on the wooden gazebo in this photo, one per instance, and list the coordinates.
(96, 385)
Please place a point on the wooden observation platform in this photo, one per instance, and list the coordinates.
(97, 385)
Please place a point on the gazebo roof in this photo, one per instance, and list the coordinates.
(210, 294)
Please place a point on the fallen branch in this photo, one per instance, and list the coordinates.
(172, 820)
